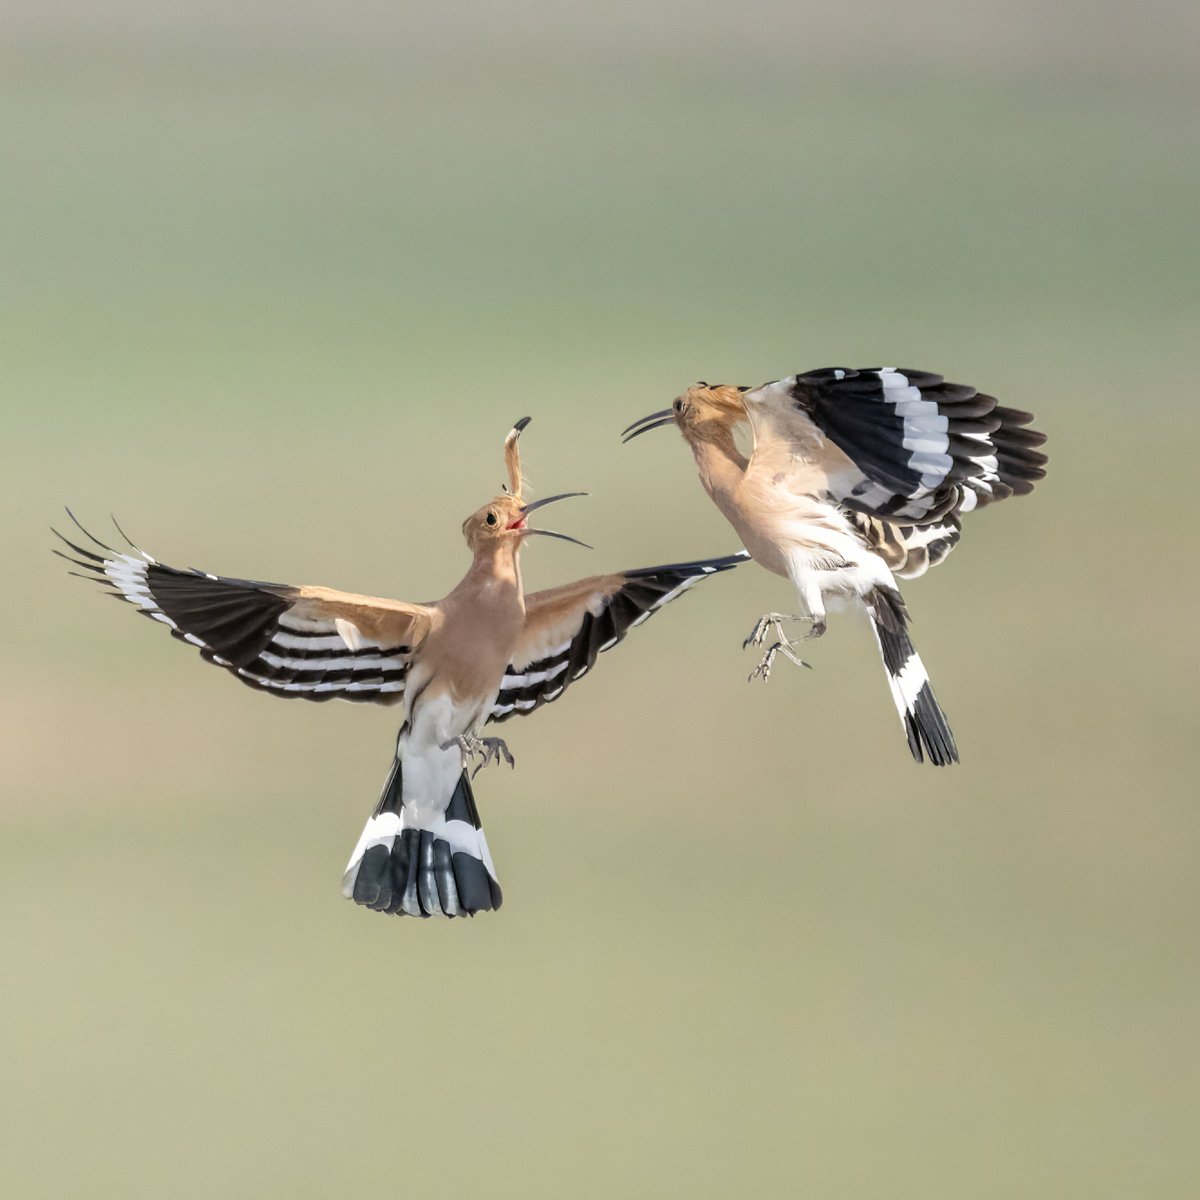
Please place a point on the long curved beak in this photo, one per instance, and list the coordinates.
(645, 424)
(566, 537)
(526, 509)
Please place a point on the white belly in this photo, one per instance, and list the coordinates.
(828, 562)
(431, 772)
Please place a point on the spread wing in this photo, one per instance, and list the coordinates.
(902, 446)
(309, 642)
(566, 628)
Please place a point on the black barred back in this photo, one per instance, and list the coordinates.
(925, 448)
(645, 591)
(247, 627)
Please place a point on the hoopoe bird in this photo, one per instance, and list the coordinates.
(485, 653)
(856, 479)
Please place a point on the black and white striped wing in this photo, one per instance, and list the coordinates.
(908, 550)
(919, 448)
(567, 628)
(253, 629)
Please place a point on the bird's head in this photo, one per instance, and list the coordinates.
(704, 412)
(504, 519)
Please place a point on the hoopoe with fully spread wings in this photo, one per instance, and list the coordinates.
(856, 478)
(487, 652)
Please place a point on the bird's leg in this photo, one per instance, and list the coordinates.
(783, 645)
(759, 633)
(813, 603)
(488, 750)
(763, 670)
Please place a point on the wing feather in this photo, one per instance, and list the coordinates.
(568, 628)
(307, 642)
(897, 445)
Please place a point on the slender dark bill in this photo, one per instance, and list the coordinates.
(645, 424)
(565, 536)
(528, 508)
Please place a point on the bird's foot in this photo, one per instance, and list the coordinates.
(488, 750)
(763, 670)
(767, 621)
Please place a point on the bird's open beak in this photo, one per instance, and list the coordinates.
(519, 523)
(653, 421)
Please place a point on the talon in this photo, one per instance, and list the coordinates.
(487, 750)
(772, 620)
(763, 670)
(757, 633)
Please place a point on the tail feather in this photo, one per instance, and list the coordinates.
(442, 870)
(925, 724)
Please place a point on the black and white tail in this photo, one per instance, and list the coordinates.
(437, 867)
(924, 722)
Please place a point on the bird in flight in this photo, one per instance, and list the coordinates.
(485, 653)
(856, 479)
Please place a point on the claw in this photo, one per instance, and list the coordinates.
(772, 620)
(494, 749)
(757, 633)
(763, 670)
(487, 750)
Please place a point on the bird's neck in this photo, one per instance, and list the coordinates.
(496, 570)
(720, 463)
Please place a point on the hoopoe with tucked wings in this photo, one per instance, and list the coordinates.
(487, 652)
(856, 478)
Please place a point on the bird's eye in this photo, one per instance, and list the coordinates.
(678, 406)
(491, 518)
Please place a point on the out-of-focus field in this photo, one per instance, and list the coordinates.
(274, 287)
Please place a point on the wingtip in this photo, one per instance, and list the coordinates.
(117, 526)
(88, 533)
(78, 549)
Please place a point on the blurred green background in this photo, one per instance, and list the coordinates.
(277, 279)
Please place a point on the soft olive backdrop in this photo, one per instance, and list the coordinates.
(276, 279)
